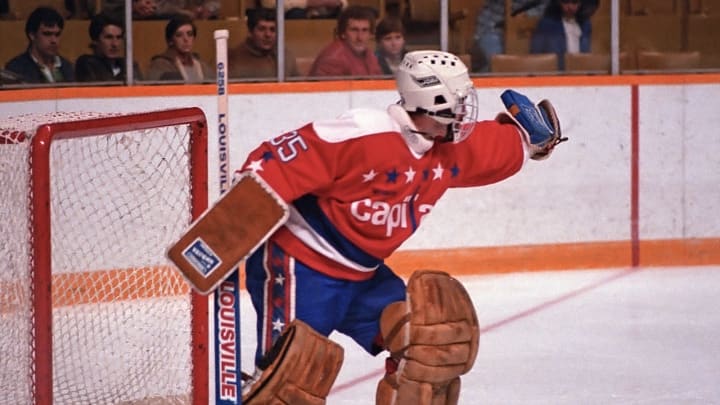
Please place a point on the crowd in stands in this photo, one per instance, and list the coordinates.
(351, 53)
(366, 42)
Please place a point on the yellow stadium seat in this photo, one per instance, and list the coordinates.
(528, 64)
(677, 61)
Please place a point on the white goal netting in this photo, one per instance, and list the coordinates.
(120, 316)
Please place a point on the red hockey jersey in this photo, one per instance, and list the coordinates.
(358, 186)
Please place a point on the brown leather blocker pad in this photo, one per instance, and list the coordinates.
(228, 232)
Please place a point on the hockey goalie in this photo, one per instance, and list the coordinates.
(354, 189)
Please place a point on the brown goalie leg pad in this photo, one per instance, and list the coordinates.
(299, 369)
(433, 338)
(397, 391)
(435, 330)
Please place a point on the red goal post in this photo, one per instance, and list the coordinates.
(90, 309)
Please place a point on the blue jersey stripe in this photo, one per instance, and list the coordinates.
(309, 209)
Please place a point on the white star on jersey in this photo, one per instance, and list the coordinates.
(438, 172)
(255, 165)
(410, 174)
(369, 176)
(279, 280)
(278, 325)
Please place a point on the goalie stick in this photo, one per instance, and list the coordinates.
(226, 328)
(227, 385)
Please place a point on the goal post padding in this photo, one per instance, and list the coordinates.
(90, 309)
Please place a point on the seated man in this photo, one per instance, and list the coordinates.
(41, 62)
(350, 54)
(106, 63)
(257, 56)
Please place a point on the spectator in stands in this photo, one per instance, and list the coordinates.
(195, 9)
(106, 63)
(562, 29)
(257, 56)
(179, 62)
(390, 44)
(295, 9)
(80, 9)
(141, 9)
(5, 13)
(41, 62)
(489, 38)
(349, 54)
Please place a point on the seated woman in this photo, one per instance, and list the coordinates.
(564, 28)
(179, 62)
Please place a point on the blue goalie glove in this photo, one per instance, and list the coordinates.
(539, 123)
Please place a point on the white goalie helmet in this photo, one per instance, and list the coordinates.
(437, 83)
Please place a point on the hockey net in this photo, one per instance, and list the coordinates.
(90, 310)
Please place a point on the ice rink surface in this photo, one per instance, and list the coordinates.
(615, 336)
